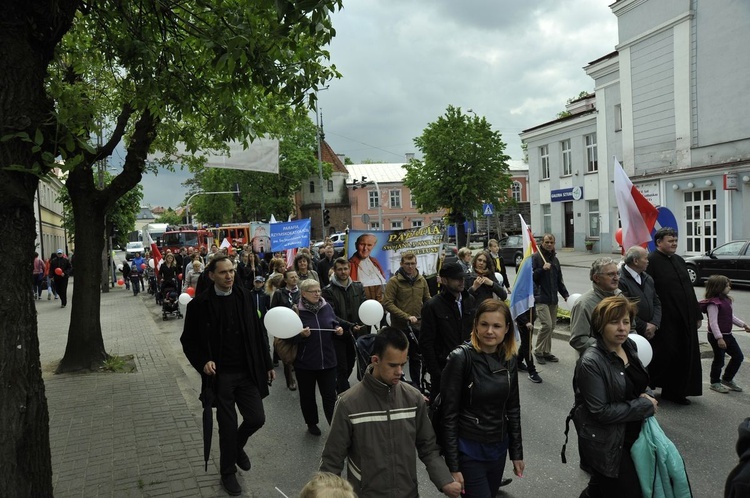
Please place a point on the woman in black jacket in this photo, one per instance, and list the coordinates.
(482, 283)
(612, 400)
(482, 412)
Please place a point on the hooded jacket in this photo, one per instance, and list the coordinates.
(378, 431)
(738, 481)
(404, 297)
(316, 351)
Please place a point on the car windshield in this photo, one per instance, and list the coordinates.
(134, 245)
(730, 249)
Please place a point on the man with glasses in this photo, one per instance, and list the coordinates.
(548, 283)
(606, 280)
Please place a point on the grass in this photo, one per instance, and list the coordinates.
(119, 364)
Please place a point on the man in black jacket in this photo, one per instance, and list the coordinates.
(446, 322)
(345, 297)
(222, 339)
(548, 282)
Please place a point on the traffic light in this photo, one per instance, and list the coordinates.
(326, 217)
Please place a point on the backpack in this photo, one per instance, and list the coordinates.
(435, 412)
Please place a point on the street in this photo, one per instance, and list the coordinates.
(144, 418)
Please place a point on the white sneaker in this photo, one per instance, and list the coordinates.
(719, 388)
(732, 385)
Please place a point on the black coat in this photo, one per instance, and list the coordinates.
(483, 406)
(345, 302)
(202, 339)
(603, 407)
(649, 306)
(485, 292)
(676, 364)
(547, 283)
(444, 329)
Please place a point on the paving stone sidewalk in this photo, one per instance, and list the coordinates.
(118, 434)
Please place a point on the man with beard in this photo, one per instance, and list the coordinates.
(676, 365)
(345, 297)
(405, 293)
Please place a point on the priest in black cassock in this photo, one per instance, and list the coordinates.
(676, 365)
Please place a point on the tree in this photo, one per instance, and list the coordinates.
(464, 165)
(170, 217)
(77, 79)
(261, 194)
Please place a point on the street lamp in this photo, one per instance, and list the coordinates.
(361, 184)
(187, 204)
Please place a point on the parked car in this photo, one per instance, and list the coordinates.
(338, 240)
(511, 249)
(731, 260)
(132, 248)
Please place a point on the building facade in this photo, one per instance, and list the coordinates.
(50, 235)
(671, 105)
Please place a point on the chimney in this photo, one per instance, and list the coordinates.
(409, 156)
(342, 158)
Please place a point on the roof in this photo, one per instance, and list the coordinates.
(328, 155)
(395, 172)
(379, 172)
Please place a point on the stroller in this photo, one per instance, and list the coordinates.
(153, 284)
(363, 348)
(169, 300)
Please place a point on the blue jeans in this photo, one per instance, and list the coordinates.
(735, 353)
(481, 478)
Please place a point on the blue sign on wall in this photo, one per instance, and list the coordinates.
(566, 194)
(290, 235)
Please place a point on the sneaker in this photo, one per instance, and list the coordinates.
(731, 385)
(534, 377)
(229, 481)
(522, 367)
(49, 296)
(314, 429)
(540, 359)
(551, 358)
(719, 388)
(243, 461)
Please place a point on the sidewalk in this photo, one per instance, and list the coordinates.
(118, 434)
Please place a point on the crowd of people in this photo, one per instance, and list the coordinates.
(463, 348)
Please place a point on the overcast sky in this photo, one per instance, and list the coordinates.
(404, 62)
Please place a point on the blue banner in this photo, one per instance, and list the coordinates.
(290, 235)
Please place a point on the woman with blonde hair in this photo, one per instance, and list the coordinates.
(327, 485)
(481, 405)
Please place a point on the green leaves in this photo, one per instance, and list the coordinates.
(464, 165)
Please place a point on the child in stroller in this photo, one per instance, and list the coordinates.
(169, 300)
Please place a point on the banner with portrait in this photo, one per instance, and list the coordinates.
(373, 252)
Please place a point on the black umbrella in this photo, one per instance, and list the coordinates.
(208, 397)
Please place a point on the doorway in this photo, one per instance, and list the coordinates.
(569, 227)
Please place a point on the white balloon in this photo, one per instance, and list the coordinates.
(282, 322)
(184, 298)
(499, 278)
(645, 352)
(151, 263)
(572, 300)
(371, 312)
(388, 318)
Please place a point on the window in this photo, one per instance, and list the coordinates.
(592, 164)
(395, 198)
(397, 224)
(374, 199)
(516, 191)
(544, 156)
(312, 187)
(593, 209)
(547, 218)
(618, 117)
(567, 162)
(417, 223)
(374, 225)
(330, 185)
(412, 201)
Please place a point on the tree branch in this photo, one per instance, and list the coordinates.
(107, 149)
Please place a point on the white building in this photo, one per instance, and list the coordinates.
(671, 103)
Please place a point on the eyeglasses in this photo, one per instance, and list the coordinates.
(318, 291)
(611, 274)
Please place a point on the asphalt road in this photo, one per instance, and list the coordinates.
(284, 455)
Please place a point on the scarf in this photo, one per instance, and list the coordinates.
(312, 307)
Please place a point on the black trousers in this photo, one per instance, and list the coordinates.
(326, 380)
(240, 390)
(345, 358)
(61, 284)
(625, 485)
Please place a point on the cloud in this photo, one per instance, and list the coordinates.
(403, 63)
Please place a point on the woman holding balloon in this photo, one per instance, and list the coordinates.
(60, 269)
(316, 356)
(612, 401)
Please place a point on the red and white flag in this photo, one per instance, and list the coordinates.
(155, 254)
(637, 214)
